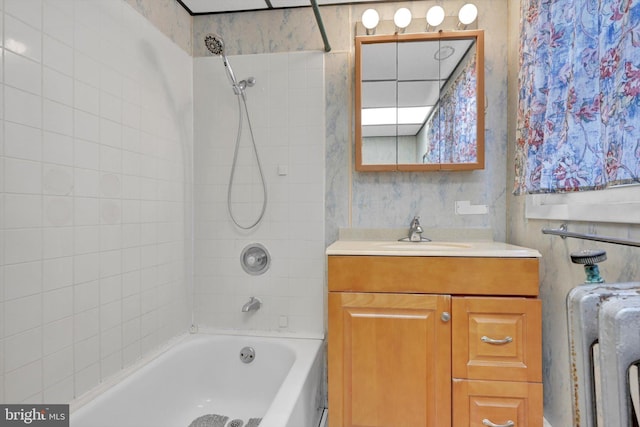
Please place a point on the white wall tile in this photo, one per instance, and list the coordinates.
(86, 352)
(86, 324)
(58, 22)
(22, 73)
(87, 154)
(57, 304)
(71, 77)
(22, 314)
(58, 335)
(57, 87)
(58, 211)
(86, 69)
(86, 211)
(22, 107)
(57, 118)
(22, 280)
(29, 12)
(57, 366)
(59, 392)
(87, 182)
(57, 273)
(22, 245)
(86, 126)
(22, 176)
(86, 378)
(57, 55)
(57, 180)
(22, 39)
(23, 383)
(57, 242)
(86, 296)
(57, 149)
(86, 267)
(22, 211)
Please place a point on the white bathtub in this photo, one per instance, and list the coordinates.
(203, 374)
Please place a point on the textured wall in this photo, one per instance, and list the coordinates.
(170, 18)
(381, 200)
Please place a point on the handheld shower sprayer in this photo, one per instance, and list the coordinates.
(215, 44)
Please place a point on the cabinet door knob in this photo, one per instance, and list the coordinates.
(445, 316)
(488, 423)
(505, 340)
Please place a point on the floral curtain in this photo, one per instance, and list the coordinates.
(579, 99)
(452, 132)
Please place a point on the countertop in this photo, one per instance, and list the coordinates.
(484, 249)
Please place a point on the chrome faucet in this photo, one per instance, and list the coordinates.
(415, 231)
(252, 305)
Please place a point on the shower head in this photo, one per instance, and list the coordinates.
(214, 43)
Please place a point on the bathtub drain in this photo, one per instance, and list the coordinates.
(247, 354)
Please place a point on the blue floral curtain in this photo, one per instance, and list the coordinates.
(579, 100)
(452, 134)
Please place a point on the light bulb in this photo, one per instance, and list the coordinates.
(435, 16)
(370, 19)
(468, 13)
(402, 18)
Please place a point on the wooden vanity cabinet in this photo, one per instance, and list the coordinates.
(434, 358)
(390, 360)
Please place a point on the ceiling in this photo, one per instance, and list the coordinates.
(198, 7)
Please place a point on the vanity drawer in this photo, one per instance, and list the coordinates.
(497, 338)
(497, 403)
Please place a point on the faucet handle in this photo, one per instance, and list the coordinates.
(415, 224)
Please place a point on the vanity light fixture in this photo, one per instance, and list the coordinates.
(467, 14)
(402, 19)
(370, 19)
(435, 16)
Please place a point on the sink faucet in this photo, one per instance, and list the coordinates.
(415, 231)
(252, 305)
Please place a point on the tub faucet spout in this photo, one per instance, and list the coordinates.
(252, 305)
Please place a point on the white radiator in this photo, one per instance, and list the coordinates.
(604, 343)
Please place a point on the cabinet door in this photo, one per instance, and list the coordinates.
(389, 360)
(497, 338)
(497, 404)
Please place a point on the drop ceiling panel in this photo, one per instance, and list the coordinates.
(290, 3)
(217, 6)
(221, 6)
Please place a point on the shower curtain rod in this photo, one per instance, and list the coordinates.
(562, 232)
(323, 33)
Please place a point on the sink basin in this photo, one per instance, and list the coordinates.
(425, 246)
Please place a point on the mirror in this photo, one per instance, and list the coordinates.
(417, 101)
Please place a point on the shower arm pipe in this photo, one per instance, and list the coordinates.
(564, 233)
(323, 32)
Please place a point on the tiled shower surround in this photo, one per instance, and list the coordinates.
(95, 194)
(286, 109)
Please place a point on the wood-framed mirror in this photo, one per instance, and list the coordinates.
(419, 101)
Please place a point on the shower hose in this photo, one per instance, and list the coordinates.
(242, 101)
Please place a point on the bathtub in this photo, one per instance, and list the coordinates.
(203, 374)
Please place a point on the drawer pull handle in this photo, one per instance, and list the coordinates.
(488, 423)
(488, 340)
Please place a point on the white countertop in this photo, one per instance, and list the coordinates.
(485, 249)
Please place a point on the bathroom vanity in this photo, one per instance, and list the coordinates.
(434, 334)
